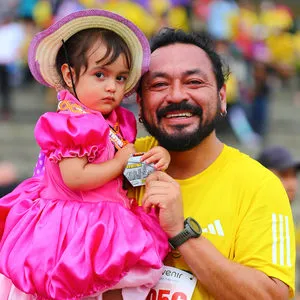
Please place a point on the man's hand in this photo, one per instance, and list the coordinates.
(163, 192)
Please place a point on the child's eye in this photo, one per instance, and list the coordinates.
(122, 78)
(99, 75)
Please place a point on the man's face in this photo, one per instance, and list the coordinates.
(289, 180)
(180, 102)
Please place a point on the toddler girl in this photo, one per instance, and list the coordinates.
(71, 232)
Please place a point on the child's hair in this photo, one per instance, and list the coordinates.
(78, 45)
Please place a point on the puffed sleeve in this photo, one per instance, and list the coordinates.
(66, 135)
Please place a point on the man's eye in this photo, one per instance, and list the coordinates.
(159, 84)
(195, 82)
(99, 75)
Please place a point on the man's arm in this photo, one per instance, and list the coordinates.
(222, 278)
(225, 279)
(112, 295)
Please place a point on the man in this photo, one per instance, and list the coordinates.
(280, 161)
(246, 249)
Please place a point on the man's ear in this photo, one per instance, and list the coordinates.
(139, 102)
(65, 70)
(222, 98)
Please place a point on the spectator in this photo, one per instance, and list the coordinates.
(260, 95)
(12, 36)
(280, 161)
(218, 19)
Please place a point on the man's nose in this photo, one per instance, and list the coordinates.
(177, 93)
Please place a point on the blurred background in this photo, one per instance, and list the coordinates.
(258, 40)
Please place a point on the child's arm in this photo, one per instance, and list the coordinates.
(78, 173)
(159, 156)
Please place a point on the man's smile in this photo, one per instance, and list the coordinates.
(178, 115)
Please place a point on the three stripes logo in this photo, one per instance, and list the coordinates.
(281, 246)
(214, 228)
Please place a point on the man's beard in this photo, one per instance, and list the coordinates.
(181, 140)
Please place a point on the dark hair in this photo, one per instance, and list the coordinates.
(78, 45)
(168, 36)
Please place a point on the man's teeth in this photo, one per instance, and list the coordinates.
(179, 115)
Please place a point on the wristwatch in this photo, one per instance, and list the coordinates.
(192, 229)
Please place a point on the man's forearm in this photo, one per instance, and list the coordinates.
(112, 295)
(224, 279)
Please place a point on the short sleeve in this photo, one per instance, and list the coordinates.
(269, 248)
(66, 135)
(144, 144)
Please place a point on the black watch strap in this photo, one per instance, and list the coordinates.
(192, 229)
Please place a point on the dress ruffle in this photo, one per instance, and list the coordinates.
(90, 152)
(29, 188)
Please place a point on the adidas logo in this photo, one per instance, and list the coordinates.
(281, 246)
(214, 228)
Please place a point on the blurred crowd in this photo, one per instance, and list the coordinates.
(259, 42)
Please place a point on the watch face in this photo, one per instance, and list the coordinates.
(194, 225)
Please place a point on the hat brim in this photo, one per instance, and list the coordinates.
(281, 167)
(46, 44)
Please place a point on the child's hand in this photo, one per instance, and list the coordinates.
(124, 153)
(159, 156)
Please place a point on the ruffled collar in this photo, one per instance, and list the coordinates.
(67, 102)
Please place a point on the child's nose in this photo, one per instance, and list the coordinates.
(111, 85)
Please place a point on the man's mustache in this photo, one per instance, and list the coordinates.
(195, 110)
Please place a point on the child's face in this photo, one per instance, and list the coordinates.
(101, 87)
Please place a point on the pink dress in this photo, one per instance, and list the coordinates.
(59, 243)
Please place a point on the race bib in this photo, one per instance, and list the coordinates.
(174, 284)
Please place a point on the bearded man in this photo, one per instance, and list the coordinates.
(228, 218)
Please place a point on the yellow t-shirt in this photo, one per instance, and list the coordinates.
(243, 210)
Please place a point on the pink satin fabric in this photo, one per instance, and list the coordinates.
(64, 244)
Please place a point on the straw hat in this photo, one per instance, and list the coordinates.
(45, 45)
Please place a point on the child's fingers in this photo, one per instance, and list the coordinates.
(148, 154)
(161, 165)
(155, 158)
